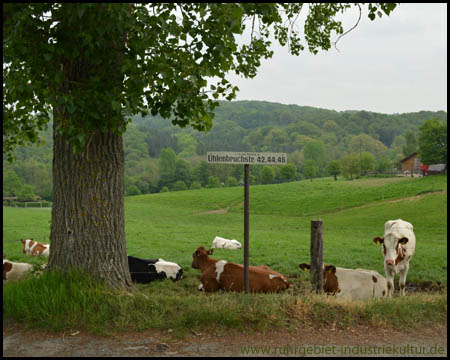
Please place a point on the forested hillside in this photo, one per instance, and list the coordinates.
(161, 157)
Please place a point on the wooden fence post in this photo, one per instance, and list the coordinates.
(316, 252)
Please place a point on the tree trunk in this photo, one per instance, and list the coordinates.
(88, 227)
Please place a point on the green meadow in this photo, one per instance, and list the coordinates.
(173, 225)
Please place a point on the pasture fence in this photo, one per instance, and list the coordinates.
(316, 252)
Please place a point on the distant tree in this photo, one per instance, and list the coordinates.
(213, 182)
(254, 139)
(288, 172)
(315, 150)
(267, 175)
(330, 126)
(433, 142)
(135, 147)
(411, 143)
(298, 159)
(334, 168)
(178, 186)
(310, 169)
(364, 142)
(187, 144)
(158, 140)
(12, 185)
(201, 173)
(299, 141)
(167, 167)
(26, 193)
(231, 181)
(183, 172)
(305, 128)
(383, 165)
(132, 190)
(350, 166)
(276, 140)
(195, 185)
(367, 162)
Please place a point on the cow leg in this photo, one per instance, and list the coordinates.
(390, 281)
(209, 285)
(402, 281)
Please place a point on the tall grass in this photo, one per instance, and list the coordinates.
(76, 302)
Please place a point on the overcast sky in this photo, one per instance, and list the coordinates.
(394, 64)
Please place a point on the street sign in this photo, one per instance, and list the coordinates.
(246, 158)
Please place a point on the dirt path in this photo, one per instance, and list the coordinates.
(301, 342)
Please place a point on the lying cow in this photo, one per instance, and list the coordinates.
(14, 271)
(222, 243)
(351, 284)
(398, 245)
(35, 248)
(147, 270)
(221, 274)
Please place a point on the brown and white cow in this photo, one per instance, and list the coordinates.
(14, 271)
(351, 284)
(398, 245)
(35, 248)
(221, 274)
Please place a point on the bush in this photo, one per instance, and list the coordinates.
(195, 185)
(213, 182)
(231, 181)
(133, 190)
(178, 186)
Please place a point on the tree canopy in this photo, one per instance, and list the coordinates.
(165, 53)
(433, 142)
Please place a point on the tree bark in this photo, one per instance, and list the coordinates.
(88, 225)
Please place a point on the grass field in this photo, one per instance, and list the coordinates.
(169, 226)
(172, 225)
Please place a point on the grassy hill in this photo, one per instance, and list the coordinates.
(172, 225)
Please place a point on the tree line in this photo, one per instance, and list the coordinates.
(319, 142)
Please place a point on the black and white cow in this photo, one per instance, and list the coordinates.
(147, 270)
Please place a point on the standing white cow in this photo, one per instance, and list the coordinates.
(222, 243)
(398, 245)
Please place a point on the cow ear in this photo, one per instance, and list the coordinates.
(378, 240)
(210, 251)
(331, 268)
(304, 266)
(403, 240)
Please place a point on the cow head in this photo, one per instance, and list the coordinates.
(392, 248)
(200, 256)
(330, 281)
(7, 266)
(24, 242)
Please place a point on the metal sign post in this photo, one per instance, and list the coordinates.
(246, 159)
(246, 223)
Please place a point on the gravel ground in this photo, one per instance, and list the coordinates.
(307, 341)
